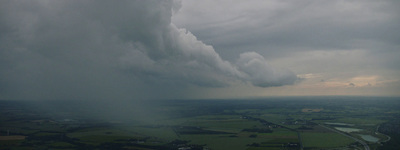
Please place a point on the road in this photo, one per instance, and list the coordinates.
(355, 139)
(300, 141)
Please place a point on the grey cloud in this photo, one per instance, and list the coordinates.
(337, 39)
(260, 73)
(112, 50)
(276, 28)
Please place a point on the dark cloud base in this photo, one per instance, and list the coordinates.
(112, 50)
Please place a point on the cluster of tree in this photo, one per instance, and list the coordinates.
(258, 130)
(391, 129)
(195, 130)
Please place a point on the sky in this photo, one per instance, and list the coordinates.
(127, 50)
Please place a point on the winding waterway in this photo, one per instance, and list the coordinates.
(348, 130)
(369, 138)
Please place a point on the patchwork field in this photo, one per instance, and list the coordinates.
(205, 124)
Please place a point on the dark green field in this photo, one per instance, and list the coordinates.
(254, 124)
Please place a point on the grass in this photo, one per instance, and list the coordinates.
(62, 144)
(97, 131)
(232, 124)
(324, 140)
(264, 148)
(12, 137)
(46, 134)
(230, 121)
(165, 133)
(242, 140)
(222, 141)
(274, 118)
(98, 139)
(280, 133)
(96, 136)
(360, 121)
(4, 143)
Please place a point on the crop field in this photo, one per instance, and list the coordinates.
(205, 124)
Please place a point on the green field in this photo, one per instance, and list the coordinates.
(324, 140)
(204, 124)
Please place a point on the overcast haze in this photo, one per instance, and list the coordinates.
(198, 49)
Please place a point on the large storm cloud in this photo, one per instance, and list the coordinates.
(112, 50)
(332, 41)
